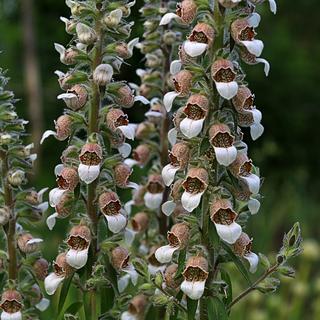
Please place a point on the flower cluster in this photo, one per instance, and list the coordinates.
(19, 208)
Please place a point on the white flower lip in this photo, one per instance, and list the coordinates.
(255, 47)
(77, 258)
(132, 273)
(52, 282)
(191, 201)
(164, 254)
(116, 223)
(191, 128)
(125, 150)
(51, 220)
(168, 100)
(229, 233)
(253, 183)
(168, 173)
(194, 49)
(227, 90)
(225, 156)
(47, 134)
(88, 174)
(168, 207)
(128, 130)
(153, 200)
(253, 260)
(253, 205)
(193, 289)
(172, 136)
(43, 304)
(11, 316)
(55, 196)
(166, 19)
(175, 67)
(128, 316)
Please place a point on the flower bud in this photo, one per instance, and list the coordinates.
(109, 203)
(113, 19)
(11, 301)
(125, 97)
(183, 82)
(63, 79)
(140, 222)
(120, 258)
(142, 154)
(122, 173)
(137, 305)
(169, 276)
(79, 238)
(63, 127)
(4, 215)
(28, 244)
(76, 97)
(16, 178)
(40, 268)
(102, 75)
(186, 10)
(5, 139)
(178, 236)
(86, 35)
(68, 179)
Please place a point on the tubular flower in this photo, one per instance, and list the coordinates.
(154, 191)
(136, 308)
(90, 161)
(196, 111)
(40, 268)
(154, 265)
(61, 270)
(67, 178)
(179, 158)
(200, 39)
(223, 143)
(242, 247)
(182, 84)
(111, 208)
(247, 113)
(251, 59)
(223, 217)
(241, 168)
(11, 304)
(122, 173)
(75, 98)
(67, 56)
(178, 239)
(194, 187)
(27, 243)
(78, 242)
(195, 275)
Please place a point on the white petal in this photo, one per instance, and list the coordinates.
(125, 150)
(129, 236)
(190, 201)
(52, 282)
(168, 174)
(67, 96)
(128, 131)
(140, 72)
(116, 223)
(128, 205)
(61, 49)
(253, 261)
(142, 99)
(266, 65)
(273, 6)
(77, 258)
(227, 90)
(229, 233)
(256, 130)
(193, 289)
(154, 269)
(123, 282)
(253, 205)
(58, 169)
(88, 174)
(153, 200)
(43, 207)
(41, 193)
(51, 220)
(34, 240)
(133, 185)
(128, 316)
(253, 182)
(175, 66)
(191, 128)
(154, 114)
(130, 162)
(168, 99)
(168, 207)
(164, 254)
(254, 20)
(194, 49)
(130, 270)
(43, 304)
(132, 44)
(255, 47)
(172, 136)
(11, 316)
(256, 114)
(47, 134)
(60, 74)
(166, 19)
(55, 196)
(225, 156)
(116, 14)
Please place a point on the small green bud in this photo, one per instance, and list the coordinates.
(287, 271)
(16, 178)
(160, 299)
(5, 139)
(158, 279)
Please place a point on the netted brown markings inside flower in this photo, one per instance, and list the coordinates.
(11, 306)
(173, 240)
(195, 274)
(90, 159)
(58, 270)
(112, 208)
(245, 168)
(122, 121)
(173, 160)
(247, 34)
(62, 183)
(194, 185)
(125, 262)
(224, 75)
(194, 112)
(155, 187)
(222, 140)
(198, 36)
(245, 119)
(177, 85)
(248, 103)
(224, 216)
(78, 243)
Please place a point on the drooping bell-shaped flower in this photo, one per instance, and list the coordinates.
(11, 304)
(154, 191)
(179, 157)
(223, 216)
(122, 173)
(27, 243)
(196, 111)
(118, 120)
(242, 247)
(78, 242)
(223, 143)
(224, 76)
(194, 187)
(178, 238)
(251, 59)
(90, 161)
(67, 56)
(185, 13)
(40, 268)
(75, 98)
(67, 178)
(195, 275)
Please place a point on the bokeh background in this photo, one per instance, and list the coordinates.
(287, 154)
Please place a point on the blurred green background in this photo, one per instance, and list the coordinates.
(287, 153)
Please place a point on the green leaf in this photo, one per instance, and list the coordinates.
(64, 292)
(74, 308)
(216, 309)
(181, 262)
(237, 262)
(226, 278)
(192, 308)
